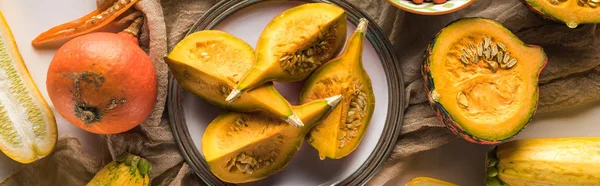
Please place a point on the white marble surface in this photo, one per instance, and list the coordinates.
(460, 162)
(27, 19)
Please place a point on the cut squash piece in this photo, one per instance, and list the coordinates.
(294, 44)
(27, 125)
(342, 131)
(482, 80)
(571, 12)
(245, 147)
(545, 161)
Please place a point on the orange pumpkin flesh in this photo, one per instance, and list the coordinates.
(102, 82)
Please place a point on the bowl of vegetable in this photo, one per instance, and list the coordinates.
(430, 7)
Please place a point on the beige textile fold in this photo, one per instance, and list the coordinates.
(572, 77)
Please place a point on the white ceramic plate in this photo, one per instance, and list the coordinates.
(430, 8)
(190, 114)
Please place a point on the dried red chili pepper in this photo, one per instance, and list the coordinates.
(92, 22)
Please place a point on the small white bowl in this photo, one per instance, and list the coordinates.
(430, 8)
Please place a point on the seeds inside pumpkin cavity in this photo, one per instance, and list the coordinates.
(581, 3)
(257, 156)
(310, 58)
(357, 110)
(247, 164)
(354, 107)
(222, 89)
(494, 54)
(502, 46)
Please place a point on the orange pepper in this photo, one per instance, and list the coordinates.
(92, 22)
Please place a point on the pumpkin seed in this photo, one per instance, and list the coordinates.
(480, 49)
(309, 59)
(466, 52)
(501, 46)
(493, 65)
(472, 48)
(494, 50)
(250, 170)
(499, 57)
(486, 42)
(487, 53)
(506, 58)
(462, 99)
(511, 63)
(464, 60)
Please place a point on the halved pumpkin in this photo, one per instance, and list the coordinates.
(571, 12)
(482, 80)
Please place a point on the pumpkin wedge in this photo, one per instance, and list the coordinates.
(245, 147)
(27, 124)
(209, 63)
(481, 80)
(571, 12)
(545, 161)
(294, 44)
(342, 131)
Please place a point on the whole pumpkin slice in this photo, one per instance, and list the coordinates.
(209, 63)
(27, 125)
(482, 80)
(294, 44)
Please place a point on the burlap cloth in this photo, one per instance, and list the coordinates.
(572, 77)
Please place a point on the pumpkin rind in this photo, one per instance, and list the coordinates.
(532, 59)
